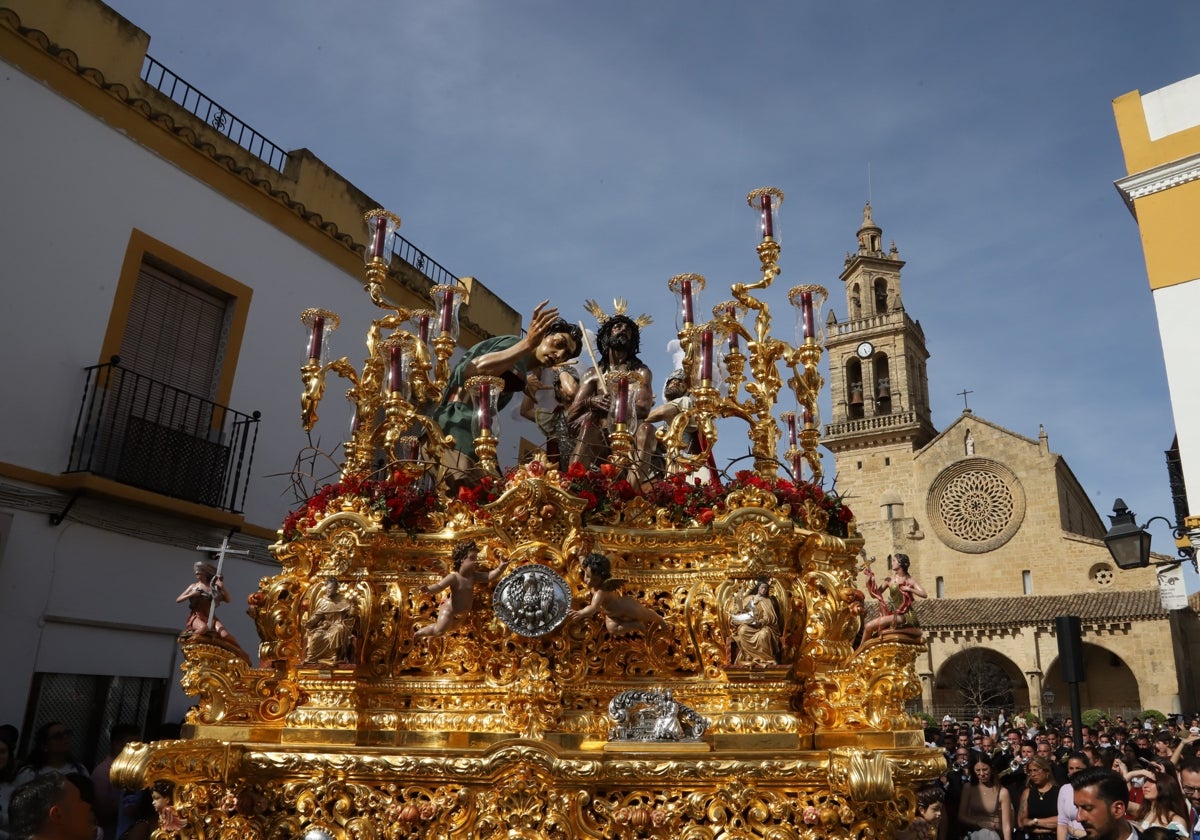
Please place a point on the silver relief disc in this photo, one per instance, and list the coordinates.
(532, 600)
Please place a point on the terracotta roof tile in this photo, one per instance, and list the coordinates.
(949, 613)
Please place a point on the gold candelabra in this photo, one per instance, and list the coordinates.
(765, 352)
(400, 378)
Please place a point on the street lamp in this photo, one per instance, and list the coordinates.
(1129, 544)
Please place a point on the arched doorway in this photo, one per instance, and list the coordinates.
(1108, 684)
(978, 680)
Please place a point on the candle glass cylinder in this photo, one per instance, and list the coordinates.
(623, 387)
(812, 416)
(484, 395)
(398, 371)
(728, 314)
(766, 202)
(809, 301)
(382, 229)
(320, 323)
(419, 322)
(687, 288)
(789, 424)
(446, 300)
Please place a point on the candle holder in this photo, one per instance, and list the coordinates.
(809, 300)
(446, 300)
(484, 394)
(398, 359)
(622, 413)
(409, 462)
(727, 317)
(687, 287)
(320, 322)
(382, 229)
(766, 201)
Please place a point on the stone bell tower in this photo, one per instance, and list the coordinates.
(877, 374)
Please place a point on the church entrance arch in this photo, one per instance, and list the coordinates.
(1108, 683)
(979, 680)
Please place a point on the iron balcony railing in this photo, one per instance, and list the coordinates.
(182, 93)
(147, 434)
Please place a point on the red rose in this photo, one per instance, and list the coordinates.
(707, 516)
(590, 498)
(576, 470)
(608, 470)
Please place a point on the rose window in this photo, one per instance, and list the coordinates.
(976, 505)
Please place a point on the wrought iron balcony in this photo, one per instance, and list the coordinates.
(144, 433)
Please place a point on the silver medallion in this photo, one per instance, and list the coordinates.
(532, 600)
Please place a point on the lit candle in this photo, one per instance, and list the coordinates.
(485, 406)
(314, 341)
(733, 336)
(706, 355)
(380, 224)
(395, 368)
(622, 405)
(768, 224)
(423, 327)
(806, 307)
(685, 290)
(447, 310)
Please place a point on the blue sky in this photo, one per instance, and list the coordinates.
(577, 150)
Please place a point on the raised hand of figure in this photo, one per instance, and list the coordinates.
(543, 316)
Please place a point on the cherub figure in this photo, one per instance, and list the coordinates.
(622, 614)
(461, 583)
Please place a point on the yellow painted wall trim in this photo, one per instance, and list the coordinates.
(142, 245)
(1142, 153)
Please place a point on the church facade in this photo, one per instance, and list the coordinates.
(998, 529)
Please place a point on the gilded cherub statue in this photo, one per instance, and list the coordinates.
(622, 613)
(461, 583)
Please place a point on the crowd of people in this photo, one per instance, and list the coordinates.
(1019, 780)
(52, 796)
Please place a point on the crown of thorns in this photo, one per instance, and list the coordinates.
(619, 307)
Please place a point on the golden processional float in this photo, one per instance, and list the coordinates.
(742, 711)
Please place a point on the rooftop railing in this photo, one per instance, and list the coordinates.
(162, 79)
(187, 96)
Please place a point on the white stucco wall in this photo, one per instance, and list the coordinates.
(1173, 108)
(1178, 309)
